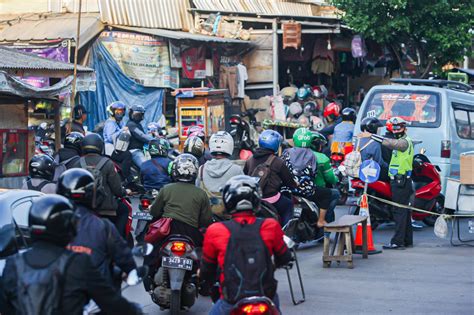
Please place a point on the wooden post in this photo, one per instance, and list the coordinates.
(275, 56)
(57, 126)
(76, 53)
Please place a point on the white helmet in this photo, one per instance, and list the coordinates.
(221, 142)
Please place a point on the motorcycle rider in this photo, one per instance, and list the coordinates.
(51, 220)
(80, 116)
(71, 152)
(92, 159)
(96, 237)
(325, 177)
(154, 172)
(343, 132)
(41, 169)
(332, 116)
(195, 146)
(269, 142)
(399, 171)
(197, 131)
(372, 150)
(213, 175)
(241, 197)
(114, 125)
(139, 137)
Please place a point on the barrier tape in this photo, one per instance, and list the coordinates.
(446, 216)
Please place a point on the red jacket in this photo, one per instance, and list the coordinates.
(217, 236)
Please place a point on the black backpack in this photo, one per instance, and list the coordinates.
(61, 167)
(263, 171)
(248, 268)
(96, 171)
(39, 290)
(30, 186)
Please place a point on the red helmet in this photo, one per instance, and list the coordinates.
(332, 110)
(396, 125)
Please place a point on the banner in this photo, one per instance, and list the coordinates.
(144, 58)
(194, 63)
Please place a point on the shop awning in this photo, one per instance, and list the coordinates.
(47, 28)
(178, 35)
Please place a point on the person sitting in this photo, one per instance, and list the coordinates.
(256, 239)
(114, 125)
(154, 172)
(372, 150)
(67, 156)
(279, 175)
(195, 146)
(41, 169)
(343, 133)
(138, 136)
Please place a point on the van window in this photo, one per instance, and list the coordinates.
(464, 117)
(419, 109)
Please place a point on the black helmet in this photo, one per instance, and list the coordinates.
(195, 146)
(318, 141)
(158, 147)
(42, 166)
(241, 193)
(74, 140)
(185, 168)
(93, 143)
(78, 184)
(349, 114)
(136, 113)
(370, 124)
(52, 219)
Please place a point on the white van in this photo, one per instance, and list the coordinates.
(440, 113)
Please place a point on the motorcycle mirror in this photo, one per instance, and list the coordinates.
(415, 142)
(422, 151)
(136, 275)
(142, 250)
(289, 242)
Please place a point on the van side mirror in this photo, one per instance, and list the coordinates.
(422, 151)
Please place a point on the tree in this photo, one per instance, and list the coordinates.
(437, 31)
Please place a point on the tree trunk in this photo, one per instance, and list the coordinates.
(427, 69)
(395, 52)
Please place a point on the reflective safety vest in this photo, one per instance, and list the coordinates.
(401, 163)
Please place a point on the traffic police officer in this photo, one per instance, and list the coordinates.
(400, 169)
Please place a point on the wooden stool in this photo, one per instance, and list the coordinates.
(343, 229)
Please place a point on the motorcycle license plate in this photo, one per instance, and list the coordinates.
(177, 263)
(140, 215)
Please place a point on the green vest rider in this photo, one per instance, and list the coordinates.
(401, 162)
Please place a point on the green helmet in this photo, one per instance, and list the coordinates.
(158, 147)
(318, 141)
(302, 138)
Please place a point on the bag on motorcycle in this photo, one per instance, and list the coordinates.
(123, 141)
(302, 164)
(39, 290)
(248, 268)
(353, 160)
(61, 166)
(263, 171)
(98, 179)
(215, 198)
(158, 230)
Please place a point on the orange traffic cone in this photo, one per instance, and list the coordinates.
(364, 211)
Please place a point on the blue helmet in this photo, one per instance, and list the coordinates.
(303, 93)
(270, 139)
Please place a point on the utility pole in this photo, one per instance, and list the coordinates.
(76, 52)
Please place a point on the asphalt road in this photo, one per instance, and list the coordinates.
(431, 278)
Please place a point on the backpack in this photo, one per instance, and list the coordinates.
(61, 166)
(248, 268)
(30, 186)
(263, 171)
(353, 160)
(39, 290)
(96, 171)
(304, 177)
(215, 198)
(358, 47)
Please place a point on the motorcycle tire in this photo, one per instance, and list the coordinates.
(175, 303)
(438, 208)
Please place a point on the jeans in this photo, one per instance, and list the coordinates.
(221, 307)
(284, 206)
(402, 194)
(330, 215)
(138, 157)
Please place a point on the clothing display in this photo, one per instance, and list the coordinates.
(320, 65)
(228, 79)
(243, 76)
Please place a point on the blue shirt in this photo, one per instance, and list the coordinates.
(112, 129)
(343, 132)
(153, 176)
(373, 151)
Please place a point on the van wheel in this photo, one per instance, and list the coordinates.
(438, 208)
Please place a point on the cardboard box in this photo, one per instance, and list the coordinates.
(467, 168)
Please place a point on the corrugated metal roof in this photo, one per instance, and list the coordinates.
(41, 27)
(266, 7)
(181, 35)
(164, 14)
(11, 59)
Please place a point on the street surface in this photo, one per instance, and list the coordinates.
(431, 278)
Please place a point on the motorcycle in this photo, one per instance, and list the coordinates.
(175, 284)
(245, 133)
(128, 227)
(427, 185)
(302, 227)
(342, 184)
(143, 216)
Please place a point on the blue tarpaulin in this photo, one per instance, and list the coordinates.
(113, 85)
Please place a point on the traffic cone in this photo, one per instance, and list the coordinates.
(364, 211)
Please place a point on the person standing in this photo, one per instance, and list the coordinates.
(399, 171)
(80, 116)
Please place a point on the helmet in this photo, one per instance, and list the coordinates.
(302, 138)
(349, 114)
(185, 168)
(42, 166)
(78, 184)
(241, 193)
(195, 146)
(136, 113)
(158, 147)
(318, 140)
(310, 108)
(117, 110)
(396, 126)
(153, 127)
(270, 139)
(52, 219)
(221, 143)
(74, 140)
(289, 93)
(320, 91)
(79, 111)
(303, 93)
(93, 143)
(295, 109)
(332, 111)
(370, 124)
(197, 131)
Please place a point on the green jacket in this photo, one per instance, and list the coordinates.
(325, 173)
(183, 202)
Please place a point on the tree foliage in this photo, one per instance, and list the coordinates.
(439, 31)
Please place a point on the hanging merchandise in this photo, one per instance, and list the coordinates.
(323, 58)
(194, 63)
(291, 35)
(242, 76)
(358, 47)
(175, 55)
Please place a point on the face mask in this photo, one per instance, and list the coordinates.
(118, 117)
